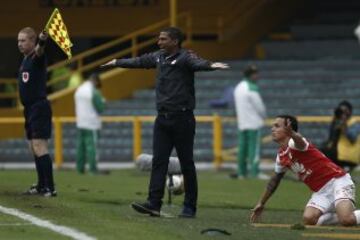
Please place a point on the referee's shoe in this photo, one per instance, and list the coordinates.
(36, 190)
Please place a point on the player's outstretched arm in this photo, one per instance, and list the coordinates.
(297, 137)
(40, 47)
(270, 189)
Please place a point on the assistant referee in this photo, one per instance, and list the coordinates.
(37, 110)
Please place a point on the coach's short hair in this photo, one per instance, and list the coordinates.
(175, 33)
(30, 32)
(293, 121)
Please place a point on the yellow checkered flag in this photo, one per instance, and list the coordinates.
(57, 31)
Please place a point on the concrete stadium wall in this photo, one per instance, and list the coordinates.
(101, 18)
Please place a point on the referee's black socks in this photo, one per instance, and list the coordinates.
(47, 171)
(40, 174)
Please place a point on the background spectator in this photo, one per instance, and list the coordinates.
(89, 103)
(250, 112)
(348, 147)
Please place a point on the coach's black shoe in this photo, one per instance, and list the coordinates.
(188, 212)
(33, 190)
(46, 192)
(146, 208)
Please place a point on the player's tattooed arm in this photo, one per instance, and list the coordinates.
(270, 189)
(40, 47)
(274, 183)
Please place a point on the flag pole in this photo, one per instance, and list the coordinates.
(60, 34)
(51, 16)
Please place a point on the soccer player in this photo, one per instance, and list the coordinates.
(333, 195)
(37, 110)
(175, 122)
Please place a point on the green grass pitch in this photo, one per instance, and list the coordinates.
(99, 207)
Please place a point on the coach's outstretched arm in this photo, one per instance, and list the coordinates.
(144, 61)
(197, 63)
(270, 189)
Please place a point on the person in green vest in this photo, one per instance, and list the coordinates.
(89, 104)
(251, 113)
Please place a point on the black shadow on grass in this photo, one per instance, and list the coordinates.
(109, 202)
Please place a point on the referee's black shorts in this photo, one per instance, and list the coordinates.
(38, 120)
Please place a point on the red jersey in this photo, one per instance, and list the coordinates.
(311, 165)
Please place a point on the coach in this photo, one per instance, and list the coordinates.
(175, 122)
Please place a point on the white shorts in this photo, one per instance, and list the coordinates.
(331, 193)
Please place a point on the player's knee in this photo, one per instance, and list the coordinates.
(310, 219)
(39, 152)
(39, 149)
(348, 220)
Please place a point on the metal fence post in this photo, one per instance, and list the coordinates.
(217, 141)
(137, 146)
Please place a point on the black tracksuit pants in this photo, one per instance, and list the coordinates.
(173, 130)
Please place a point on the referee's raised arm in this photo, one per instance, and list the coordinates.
(40, 46)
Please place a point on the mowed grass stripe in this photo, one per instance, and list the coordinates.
(280, 225)
(332, 235)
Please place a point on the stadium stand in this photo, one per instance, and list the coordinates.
(297, 87)
(325, 30)
(307, 74)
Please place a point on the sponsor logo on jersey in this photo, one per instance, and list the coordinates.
(299, 169)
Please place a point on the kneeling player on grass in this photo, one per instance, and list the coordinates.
(333, 195)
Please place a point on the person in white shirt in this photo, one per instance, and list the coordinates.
(250, 112)
(89, 103)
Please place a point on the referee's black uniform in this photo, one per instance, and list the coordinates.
(32, 91)
(37, 112)
(175, 122)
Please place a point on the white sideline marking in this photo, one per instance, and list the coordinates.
(70, 232)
